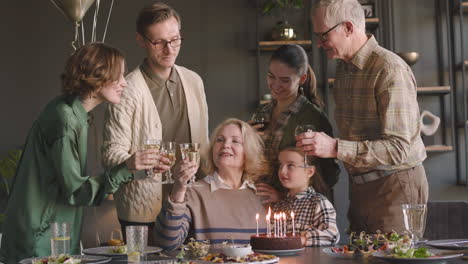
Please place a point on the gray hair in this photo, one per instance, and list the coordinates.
(337, 11)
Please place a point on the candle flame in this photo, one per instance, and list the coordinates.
(256, 216)
(292, 214)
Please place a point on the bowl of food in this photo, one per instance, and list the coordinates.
(197, 249)
(236, 250)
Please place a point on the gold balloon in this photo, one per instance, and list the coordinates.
(73, 9)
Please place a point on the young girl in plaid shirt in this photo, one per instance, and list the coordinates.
(314, 215)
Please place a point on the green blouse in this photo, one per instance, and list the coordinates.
(50, 183)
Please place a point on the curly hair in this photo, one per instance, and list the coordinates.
(89, 68)
(255, 163)
(153, 14)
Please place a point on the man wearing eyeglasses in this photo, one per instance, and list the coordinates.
(377, 115)
(162, 101)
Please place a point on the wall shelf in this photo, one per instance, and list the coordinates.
(273, 45)
(438, 148)
(372, 20)
(434, 90)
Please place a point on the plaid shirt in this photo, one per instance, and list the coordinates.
(377, 112)
(274, 135)
(314, 217)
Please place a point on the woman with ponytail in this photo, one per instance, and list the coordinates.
(295, 102)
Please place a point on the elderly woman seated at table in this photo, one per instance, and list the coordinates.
(223, 205)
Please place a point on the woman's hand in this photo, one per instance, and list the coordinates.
(267, 193)
(184, 171)
(147, 160)
(258, 127)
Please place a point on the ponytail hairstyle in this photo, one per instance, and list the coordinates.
(296, 58)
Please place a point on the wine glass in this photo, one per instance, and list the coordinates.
(414, 216)
(261, 118)
(302, 129)
(168, 150)
(150, 143)
(191, 151)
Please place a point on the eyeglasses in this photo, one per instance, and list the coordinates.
(322, 37)
(161, 44)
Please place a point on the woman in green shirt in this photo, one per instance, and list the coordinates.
(295, 102)
(50, 183)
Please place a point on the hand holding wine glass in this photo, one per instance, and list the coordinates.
(300, 129)
(168, 150)
(184, 171)
(260, 121)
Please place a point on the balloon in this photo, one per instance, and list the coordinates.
(73, 9)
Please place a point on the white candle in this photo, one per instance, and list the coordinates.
(294, 229)
(256, 219)
(280, 217)
(276, 224)
(285, 224)
(268, 224)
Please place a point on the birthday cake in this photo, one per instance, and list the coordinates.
(265, 242)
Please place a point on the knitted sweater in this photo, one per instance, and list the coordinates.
(218, 216)
(136, 118)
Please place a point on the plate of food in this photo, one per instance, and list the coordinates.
(67, 259)
(254, 258)
(363, 244)
(415, 255)
(280, 252)
(116, 251)
(449, 244)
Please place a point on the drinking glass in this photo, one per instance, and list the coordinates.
(191, 151)
(169, 151)
(137, 240)
(261, 118)
(150, 143)
(60, 238)
(414, 216)
(302, 129)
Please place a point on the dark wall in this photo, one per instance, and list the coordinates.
(219, 44)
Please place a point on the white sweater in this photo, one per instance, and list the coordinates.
(135, 118)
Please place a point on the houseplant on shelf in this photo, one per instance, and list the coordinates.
(8, 165)
(283, 30)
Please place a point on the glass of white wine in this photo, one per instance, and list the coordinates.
(414, 216)
(302, 129)
(150, 143)
(191, 151)
(168, 150)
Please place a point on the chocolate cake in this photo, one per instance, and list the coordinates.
(264, 242)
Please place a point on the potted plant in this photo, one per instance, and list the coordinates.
(8, 165)
(283, 30)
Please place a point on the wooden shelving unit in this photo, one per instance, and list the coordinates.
(434, 90)
(272, 45)
(438, 148)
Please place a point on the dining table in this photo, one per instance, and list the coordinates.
(316, 255)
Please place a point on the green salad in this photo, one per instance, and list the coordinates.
(401, 252)
(61, 259)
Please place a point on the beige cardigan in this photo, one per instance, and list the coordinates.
(136, 118)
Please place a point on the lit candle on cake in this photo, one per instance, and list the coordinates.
(280, 220)
(268, 223)
(275, 223)
(285, 224)
(256, 219)
(294, 229)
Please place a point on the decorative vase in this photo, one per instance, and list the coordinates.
(283, 31)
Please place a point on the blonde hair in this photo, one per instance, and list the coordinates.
(316, 180)
(255, 164)
(337, 11)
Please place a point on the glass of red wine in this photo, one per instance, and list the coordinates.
(261, 118)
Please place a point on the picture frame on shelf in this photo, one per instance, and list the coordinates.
(368, 10)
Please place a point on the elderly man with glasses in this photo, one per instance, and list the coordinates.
(163, 101)
(377, 115)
